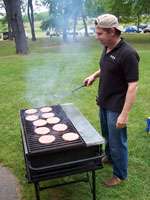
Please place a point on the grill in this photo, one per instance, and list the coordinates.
(61, 158)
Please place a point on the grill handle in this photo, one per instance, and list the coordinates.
(64, 164)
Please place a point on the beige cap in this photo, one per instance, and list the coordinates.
(108, 21)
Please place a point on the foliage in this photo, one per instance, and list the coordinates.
(37, 17)
(94, 8)
(126, 10)
(59, 14)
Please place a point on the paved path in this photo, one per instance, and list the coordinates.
(8, 185)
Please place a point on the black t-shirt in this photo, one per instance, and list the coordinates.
(118, 67)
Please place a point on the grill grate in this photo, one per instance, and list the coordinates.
(34, 146)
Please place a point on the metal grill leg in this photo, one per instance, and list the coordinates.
(94, 186)
(37, 190)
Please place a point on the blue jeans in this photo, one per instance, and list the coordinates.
(116, 149)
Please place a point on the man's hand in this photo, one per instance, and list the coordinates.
(89, 80)
(129, 100)
(122, 121)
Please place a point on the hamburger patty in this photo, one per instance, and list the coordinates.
(47, 139)
(46, 109)
(31, 111)
(31, 117)
(42, 130)
(53, 120)
(48, 115)
(40, 122)
(70, 136)
(60, 127)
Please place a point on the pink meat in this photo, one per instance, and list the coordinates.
(48, 115)
(60, 127)
(46, 109)
(40, 122)
(53, 120)
(70, 137)
(31, 118)
(42, 130)
(47, 139)
(31, 111)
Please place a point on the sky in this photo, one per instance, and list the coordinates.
(39, 9)
(36, 9)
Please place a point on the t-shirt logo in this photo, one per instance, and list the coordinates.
(113, 57)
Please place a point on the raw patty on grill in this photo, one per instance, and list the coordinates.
(47, 139)
(31, 111)
(46, 109)
(42, 130)
(40, 122)
(31, 117)
(60, 127)
(70, 136)
(53, 120)
(48, 115)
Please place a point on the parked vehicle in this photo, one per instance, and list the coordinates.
(54, 33)
(5, 35)
(89, 30)
(133, 29)
(147, 29)
(47, 32)
(143, 26)
(71, 32)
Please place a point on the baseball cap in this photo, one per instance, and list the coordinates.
(108, 21)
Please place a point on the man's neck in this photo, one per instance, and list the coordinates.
(113, 44)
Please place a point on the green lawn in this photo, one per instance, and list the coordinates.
(53, 67)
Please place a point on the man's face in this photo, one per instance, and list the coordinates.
(103, 37)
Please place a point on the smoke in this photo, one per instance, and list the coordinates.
(55, 70)
(41, 84)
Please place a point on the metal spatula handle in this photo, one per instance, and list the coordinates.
(64, 95)
(78, 88)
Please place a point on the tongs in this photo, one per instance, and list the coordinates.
(65, 95)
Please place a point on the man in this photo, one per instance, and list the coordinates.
(118, 82)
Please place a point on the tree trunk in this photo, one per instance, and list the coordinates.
(9, 29)
(13, 11)
(74, 29)
(65, 19)
(31, 19)
(83, 18)
(138, 19)
(76, 10)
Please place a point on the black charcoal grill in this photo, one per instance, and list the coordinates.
(61, 158)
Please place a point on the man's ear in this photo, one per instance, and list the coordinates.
(112, 31)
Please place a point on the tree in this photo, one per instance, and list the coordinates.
(59, 15)
(94, 8)
(122, 9)
(140, 7)
(15, 18)
(31, 19)
(126, 10)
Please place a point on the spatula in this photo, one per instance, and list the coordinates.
(65, 95)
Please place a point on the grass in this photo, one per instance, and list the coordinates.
(53, 67)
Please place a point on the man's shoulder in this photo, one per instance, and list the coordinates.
(127, 49)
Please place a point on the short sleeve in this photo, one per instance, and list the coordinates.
(130, 67)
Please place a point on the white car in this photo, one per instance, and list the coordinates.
(89, 30)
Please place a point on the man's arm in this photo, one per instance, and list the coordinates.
(89, 80)
(129, 100)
